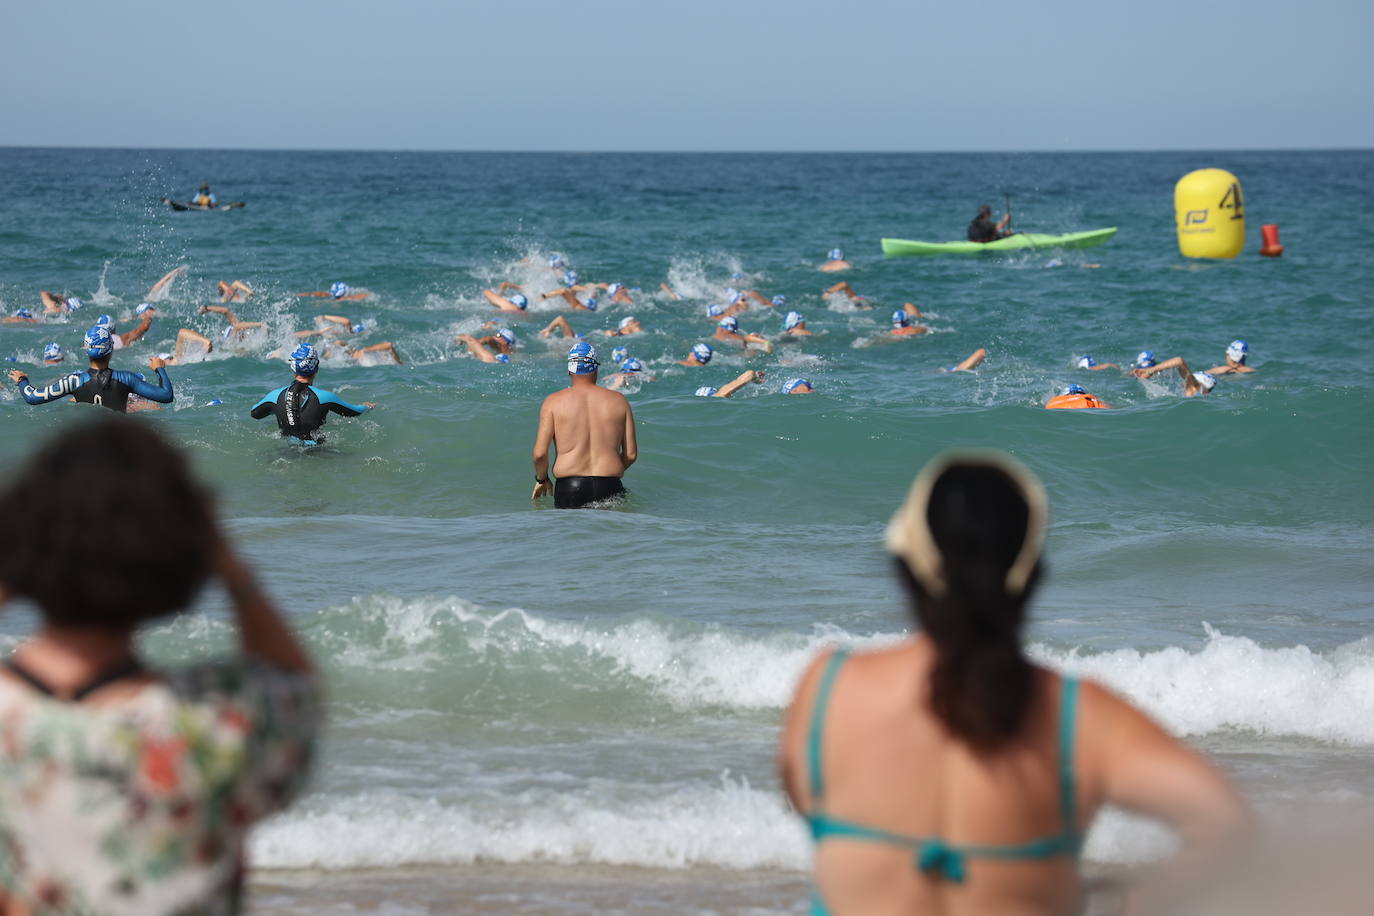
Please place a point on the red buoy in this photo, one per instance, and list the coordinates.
(1271, 247)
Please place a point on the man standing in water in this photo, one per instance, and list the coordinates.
(592, 428)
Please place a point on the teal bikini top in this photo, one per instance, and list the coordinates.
(933, 855)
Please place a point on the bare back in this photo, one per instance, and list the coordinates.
(593, 430)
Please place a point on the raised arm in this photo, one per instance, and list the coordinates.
(58, 389)
(506, 284)
(744, 378)
(1173, 362)
(476, 349)
(162, 392)
(561, 324)
(672, 294)
(224, 310)
(167, 278)
(129, 337)
(543, 438)
(336, 319)
(262, 632)
(759, 339)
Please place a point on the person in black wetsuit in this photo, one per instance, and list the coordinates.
(301, 408)
(983, 229)
(99, 384)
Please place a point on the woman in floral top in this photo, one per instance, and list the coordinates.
(124, 790)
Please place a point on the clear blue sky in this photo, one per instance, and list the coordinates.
(694, 75)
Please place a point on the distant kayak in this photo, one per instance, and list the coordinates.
(184, 205)
(900, 248)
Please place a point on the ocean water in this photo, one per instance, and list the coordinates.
(563, 694)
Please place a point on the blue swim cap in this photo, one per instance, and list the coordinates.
(706, 391)
(590, 303)
(304, 360)
(625, 322)
(729, 323)
(620, 354)
(1086, 362)
(142, 307)
(792, 320)
(793, 384)
(836, 254)
(713, 310)
(359, 328)
(732, 296)
(613, 289)
(631, 365)
(779, 301)
(702, 352)
(507, 335)
(737, 275)
(338, 290)
(99, 342)
(1237, 350)
(556, 260)
(74, 303)
(502, 358)
(105, 321)
(1074, 389)
(582, 359)
(520, 300)
(52, 351)
(1145, 359)
(570, 278)
(901, 318)
(214, 402)
(23, 313)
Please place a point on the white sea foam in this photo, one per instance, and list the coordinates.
(1225, 684)
(728, 825)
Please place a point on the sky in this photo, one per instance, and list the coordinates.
(705, 75)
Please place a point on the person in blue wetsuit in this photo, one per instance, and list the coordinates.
(99, 384)
(946, 772)
(301, 408)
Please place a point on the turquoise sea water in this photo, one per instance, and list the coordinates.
(515, 684)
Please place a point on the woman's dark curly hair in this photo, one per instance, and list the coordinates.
(107, 527)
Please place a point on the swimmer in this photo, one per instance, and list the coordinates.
(794, 325)
(301, 408)
(481, 350)
(569, 295)
(1145, 359)
(747, 377)
(971, 362)
(835, 261)
(189, 344)
(844, 287)
(332, 325)
(1236, 353)
(237, 329)
(20, 316)
(627, 326)
(52, 354)
(672, 293)
(715, 312)
(515, 303)
(778, 302)
(1087, 362)
(53, 304)
(238, 291)
(160, 287)
(616, 292)
(631, 372)
(699, 356)
(100, 384)
(911, 310)
(902, 326)
(593, 431)
(727, 329)
(145, 312)
(761, 299)
(1074, 396)
(561, 325)
(341, 292)
(798, 386)
(1194, 383)
(378, 354)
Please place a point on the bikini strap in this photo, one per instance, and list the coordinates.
(120, 670)
(832, 668)
(1068, 714)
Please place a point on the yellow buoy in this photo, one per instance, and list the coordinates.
(1210, 212)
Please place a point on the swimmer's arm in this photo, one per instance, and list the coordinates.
(162, 393)
(224, 310)
(51, 303)
(562, 325)
(670, 291)
(542, 440)
(58, 389)
(629, 449)
(336, 319)
(475, 348)
(760, 340)
(168, 277)
(266, 406)
(332, 402)
(744, 378)
(129, 337)
(1100, 366)
(318, 292)
(506, 284)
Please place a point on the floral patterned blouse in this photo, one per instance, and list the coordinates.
(142, 806)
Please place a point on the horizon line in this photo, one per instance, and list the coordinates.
(699, 152)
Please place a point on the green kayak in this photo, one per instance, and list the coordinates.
(902, 248)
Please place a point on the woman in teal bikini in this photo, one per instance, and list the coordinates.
(947, 774)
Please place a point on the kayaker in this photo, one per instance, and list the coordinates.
(982, 229)
(204, 197)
